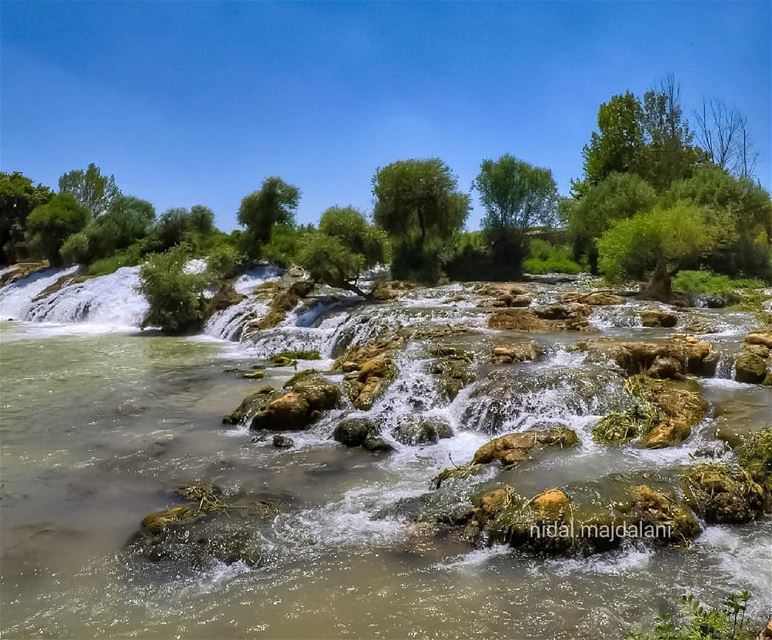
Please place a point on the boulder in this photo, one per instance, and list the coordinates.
(369, 369)
(421, 431)
(283, 442)
(750, 367)
(453, 369)
(513, 448)
(763, 337)
(507, 354)
(658, 318)
(724, 495)
(390, 289)
(664, 367)
(299, 404)
(250, 405)
(659, 514)
(353, 432)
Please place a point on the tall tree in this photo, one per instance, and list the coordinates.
(724, 135)
(344, 247)
(417, 202)
(50, 224)
(516, 196)
(274, 204)
(670, 153)
(18, 197)
(618, 144)
(90, 188)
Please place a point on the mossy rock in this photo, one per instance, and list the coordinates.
(296, 355)
(422, 431)
(750, 368)
(353, 432)
(661, 514)
(723, 494)
(249, 406)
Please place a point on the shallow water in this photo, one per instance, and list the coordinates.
(99, 428)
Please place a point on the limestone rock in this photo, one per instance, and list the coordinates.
(750, 367)
(658, 318)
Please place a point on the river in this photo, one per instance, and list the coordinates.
(101, 422)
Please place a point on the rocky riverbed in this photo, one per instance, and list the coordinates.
(535, 459)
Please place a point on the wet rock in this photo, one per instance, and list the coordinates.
(565, 317)
(286, 296)
(160, 521)
(301, 402)
(225, 296)
(369, 369)
(666, 412)
(667, 519)
(664, 367)
(763, 337)
(600, 298)
(750, 367)
(253, 375)
(253, 403)
(722, 494)
(691, 354)
(740, 419)
(353, 432)
(755, 455)
(514, 448)
(515, 353)
(391, 289)
(658, 318)
(422, 431)
(453, 369)
(283, 442)
(376, 444)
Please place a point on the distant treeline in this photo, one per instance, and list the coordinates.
(658, 194)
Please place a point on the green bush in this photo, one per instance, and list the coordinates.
(700, 623)
(49, 225)
(175, 297)
(712, 283)
(546, 257)
(222, 261)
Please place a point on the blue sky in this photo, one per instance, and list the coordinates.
(191, 103)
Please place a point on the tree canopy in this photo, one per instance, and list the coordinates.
(18, 197)
(91, 189)
(50, 224)
(274, 204)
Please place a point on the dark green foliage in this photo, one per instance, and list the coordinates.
(285, 245)
(274, 204)
(697, 622)
(90, 189)
(18, 197)
(469, 257)
(179, 225)
(344, 247)
(49, 225)
(175, 296)
(418, 204)
(222, 261)
(516, 196)
(616, 197)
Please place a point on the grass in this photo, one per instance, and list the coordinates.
(545, 257)
(708, 282)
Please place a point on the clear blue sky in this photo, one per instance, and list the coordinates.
(197, 102)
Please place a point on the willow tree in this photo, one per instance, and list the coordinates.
(658, 243)
(343, 249)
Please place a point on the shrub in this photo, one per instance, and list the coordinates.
(697, 622)
(175, 296)
(712, 283)
(222, 261)
(49, 225)
(546, 257)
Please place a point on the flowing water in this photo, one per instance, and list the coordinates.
(101, 422)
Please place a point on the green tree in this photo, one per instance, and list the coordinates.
(517, 196)
(750, 216)
(126, 220)
(659, 242)
(91, 189)
(618, 145)
(418, 204)
(344, 247)
(274, 204)
(50, 224)
(670, 154)
(175, 296)
(285, 245)
(18, 197)
(618, 196)
(201, 219)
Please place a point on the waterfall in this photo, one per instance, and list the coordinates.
(17, 298)
(109, 300)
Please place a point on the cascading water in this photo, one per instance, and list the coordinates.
(112, 300)
(17, 297)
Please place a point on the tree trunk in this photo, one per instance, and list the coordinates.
(659, 286)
